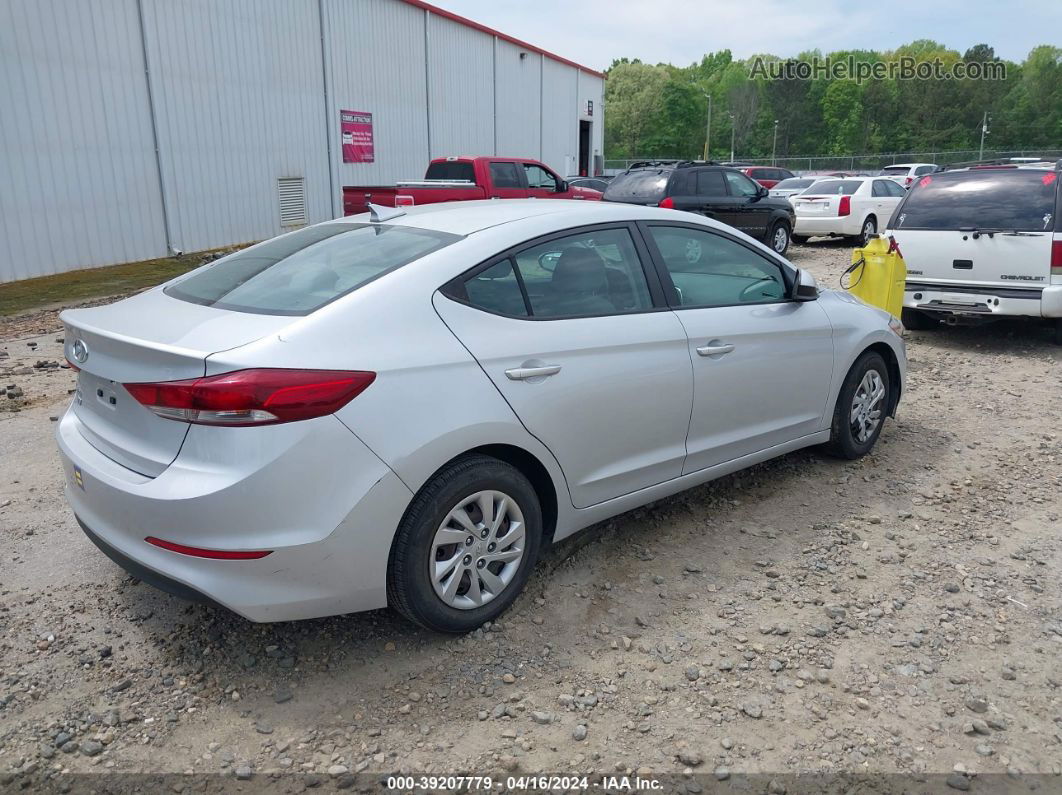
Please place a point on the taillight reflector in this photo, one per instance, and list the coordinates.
(1056, 258)
(845, 206)
(667, 204)
(253, 397)
(213, 554)
(404, 201)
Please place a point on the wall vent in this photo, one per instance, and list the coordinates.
(292, 193)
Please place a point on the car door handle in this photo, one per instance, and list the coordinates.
(523, 373)
(714, 350)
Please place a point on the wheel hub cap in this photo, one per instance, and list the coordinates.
(477, 550)
(867, 405)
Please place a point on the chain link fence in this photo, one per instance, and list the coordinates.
(865, 162)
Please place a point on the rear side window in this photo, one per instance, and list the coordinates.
(879, 188)
(648, 185)
(300, 272)
(837, 187)
(710, 183)
(451, 170)
(1020, 200)
(505, 175)
(894, 189)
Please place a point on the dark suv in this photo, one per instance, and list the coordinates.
(709, 189)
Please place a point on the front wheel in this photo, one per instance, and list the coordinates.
(779, 238)
(861, 406)
(466, 546)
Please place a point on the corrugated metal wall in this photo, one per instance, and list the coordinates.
(241, 94)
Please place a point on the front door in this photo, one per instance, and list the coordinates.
(583, 350)
(750, 214)
(762, 363)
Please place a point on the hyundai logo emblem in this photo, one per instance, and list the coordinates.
(80, 351)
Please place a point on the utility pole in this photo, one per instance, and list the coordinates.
(708, 128)
(774, 146)
(984, 132)
(731, 115)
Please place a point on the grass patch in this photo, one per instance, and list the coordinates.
(27, 295)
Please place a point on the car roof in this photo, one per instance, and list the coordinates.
(907, 165)
(469, 217)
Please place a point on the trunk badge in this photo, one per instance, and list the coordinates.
(80, 351)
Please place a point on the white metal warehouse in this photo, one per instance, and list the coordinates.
(132, 128)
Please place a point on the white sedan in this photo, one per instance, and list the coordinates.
(401, 409)
(855, 207)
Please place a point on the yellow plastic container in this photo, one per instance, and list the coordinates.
(877, 275)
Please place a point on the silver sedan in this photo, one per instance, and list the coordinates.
(402, 409)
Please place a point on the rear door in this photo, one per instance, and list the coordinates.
(762, 363)
(985, 228)
(505, 180)
(573, 333)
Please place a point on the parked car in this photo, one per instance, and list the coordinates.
(451, 179)
(711, 190)
(982, 244)
(855, 207)
(788, 188)
(403, 408)
(903, 174)
(593, 183)
(768, 176)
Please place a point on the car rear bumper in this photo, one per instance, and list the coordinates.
(811, 225)
(975, 301)
(329, 537)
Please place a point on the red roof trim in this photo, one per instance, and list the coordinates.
(442, 12)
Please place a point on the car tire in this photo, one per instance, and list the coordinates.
(917, 321)
(423, 540)
(800, 240)
(868, 231)
(779, 238)
(850, 437)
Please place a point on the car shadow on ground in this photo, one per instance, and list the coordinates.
(243, 656)
(1004, 336)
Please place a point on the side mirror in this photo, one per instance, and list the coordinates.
(562, 186)
(805, 288)
(762, 192)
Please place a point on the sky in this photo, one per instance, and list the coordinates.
(594, 32)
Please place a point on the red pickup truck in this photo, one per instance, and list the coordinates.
(455, 179)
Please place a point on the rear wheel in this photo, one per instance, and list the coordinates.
(869, 230)
(917, 321)
(779, 238)
(861, 407)
(466, 546)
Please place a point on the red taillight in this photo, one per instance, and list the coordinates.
(213, 554)
(907, 181)
(73, 366)
(667, 204)
(1056, 258)
(845, 206)
(253, 397)
(403, 200)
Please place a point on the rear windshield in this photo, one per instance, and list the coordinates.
(892, 171)
(297, 273)
(1020, 200)
(649, 185)
(794, 183)
(452, 170)
(837, 187)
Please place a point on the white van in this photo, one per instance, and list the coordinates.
(981, 243)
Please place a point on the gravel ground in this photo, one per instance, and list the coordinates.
(898, 614)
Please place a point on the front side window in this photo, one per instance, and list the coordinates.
(710, 270)
(504, 175)
(297, 273)
(595, 272)
(740, 185)
(538, 177)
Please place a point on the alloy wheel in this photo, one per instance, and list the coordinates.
(477, 550)
(869, 230)
(780, 241)
(867, 406)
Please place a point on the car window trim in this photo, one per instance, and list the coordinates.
(454, 289)
(671, 292)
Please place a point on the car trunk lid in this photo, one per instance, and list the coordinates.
(149, 337)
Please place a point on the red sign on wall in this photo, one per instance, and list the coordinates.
(355, 129)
